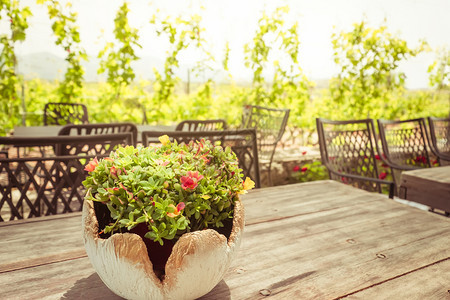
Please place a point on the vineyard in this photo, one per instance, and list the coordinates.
(369, 83)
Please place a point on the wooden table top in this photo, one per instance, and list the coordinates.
(316, 240)
(52, 130)
(438, 174)
(428, 186)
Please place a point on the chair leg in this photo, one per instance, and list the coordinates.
(269, 175)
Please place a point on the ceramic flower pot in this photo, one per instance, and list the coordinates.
(196, 265)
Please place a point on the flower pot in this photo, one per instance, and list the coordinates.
(197, 263)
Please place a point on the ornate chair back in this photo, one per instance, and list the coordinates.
(65, 113)
(349, 148)
(35, 185)
(242, 142)
(202, 125)
(100, 128)
(270, 124)
(404, 145)
(440, 138)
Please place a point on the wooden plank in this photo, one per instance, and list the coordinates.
(37, 241)
(413, 285)
(268, 204)
(329, 254)
(430, 186)
(73, 279)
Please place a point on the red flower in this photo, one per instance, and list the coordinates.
(377, 157)
(190, 181)
(90, 167)
(113, 171)
(177, 209)
(296, 169)
(382, 175)
(304, 169)
(304, 153)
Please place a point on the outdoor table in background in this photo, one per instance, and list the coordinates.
(43, 131)
(429, 186)
(316, 240)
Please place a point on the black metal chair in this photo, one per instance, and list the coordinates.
(35, 185)
(202, 125)
(242, 142)
(65, 113)
(270, 124)
(100, 128)
(404, 145)
(349, 151)
(440, 139)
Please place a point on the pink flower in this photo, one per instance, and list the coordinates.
(161, 162)
(90, 167)
(382, 175)
(296, 169)
(304, 169)
(113, 171)
(190, 181)
(177, 209)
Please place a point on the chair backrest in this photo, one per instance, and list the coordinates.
(242, 142)
(348, 147)
(270, 124)
(37, 185)
(41, 186)
(100, 128)
(440, 138)
(202, 125)
(65, 113)
(405, 142)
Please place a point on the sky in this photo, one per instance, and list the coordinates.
(235, 21)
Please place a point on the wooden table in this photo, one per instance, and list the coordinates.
(53, 130)
(317, 240)
(429, 186)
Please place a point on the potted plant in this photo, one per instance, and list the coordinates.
(163, 222)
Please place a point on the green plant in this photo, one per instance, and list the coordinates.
(67, 36)
(368, 80)
(9, 81)
(310, 172)
(172, 188)
(182, 33)
(116, 60)
(276, 45)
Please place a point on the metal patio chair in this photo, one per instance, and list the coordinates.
(100, 128)
(405, 145)
(65, 113)
(35, 185)
(270, 124)
(440, 139)
(242, 142)
(349, 151)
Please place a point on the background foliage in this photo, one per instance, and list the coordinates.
(368, 84)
